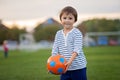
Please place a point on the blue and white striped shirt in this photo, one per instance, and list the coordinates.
(66, 45)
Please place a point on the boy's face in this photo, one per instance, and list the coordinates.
(67, 20)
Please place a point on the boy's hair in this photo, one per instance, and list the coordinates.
(68, 10)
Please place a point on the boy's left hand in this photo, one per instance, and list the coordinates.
(74, 54)
(67, 65)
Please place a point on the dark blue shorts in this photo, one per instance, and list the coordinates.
(79, 74)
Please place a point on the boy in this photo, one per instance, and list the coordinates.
(5, 47)
(68, 42)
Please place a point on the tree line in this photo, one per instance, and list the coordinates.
(10, 33)
(47, 32)
(101, 25)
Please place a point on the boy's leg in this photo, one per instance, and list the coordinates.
(65, 76)
(79, 74)
(6, 54)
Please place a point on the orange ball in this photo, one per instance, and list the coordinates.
(56, 64)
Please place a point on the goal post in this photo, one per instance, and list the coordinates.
(101, 38)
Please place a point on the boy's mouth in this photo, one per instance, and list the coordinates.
(67, 25)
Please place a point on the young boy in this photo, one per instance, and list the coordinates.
(5, 47)
(68, 42)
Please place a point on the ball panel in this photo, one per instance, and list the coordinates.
(62, 60)
(60, 70)
(52, 63)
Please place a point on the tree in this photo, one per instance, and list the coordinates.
(101, 25)
(14, 33)
(46, 33)
(3, 32)
(46, 30)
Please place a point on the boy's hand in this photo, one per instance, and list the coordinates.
(67, 65)
(74, 54)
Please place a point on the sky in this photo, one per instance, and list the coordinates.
(28, 12)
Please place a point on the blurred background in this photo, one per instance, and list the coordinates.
(27, 22)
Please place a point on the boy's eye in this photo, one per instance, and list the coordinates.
(64, 17)
(70, 18)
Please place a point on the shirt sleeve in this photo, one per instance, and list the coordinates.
(55, 45)
(78, 42)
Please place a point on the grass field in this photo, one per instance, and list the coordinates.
(103, 64)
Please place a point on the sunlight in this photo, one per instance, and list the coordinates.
(28, 24)
(31, 24)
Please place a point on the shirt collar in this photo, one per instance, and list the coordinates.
(69, 31)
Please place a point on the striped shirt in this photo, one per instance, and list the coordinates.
(67, 44)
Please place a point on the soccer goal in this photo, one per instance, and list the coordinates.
(102, 38)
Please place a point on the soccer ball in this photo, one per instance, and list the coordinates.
(56, 64)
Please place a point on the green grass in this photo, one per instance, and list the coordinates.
(103, 64)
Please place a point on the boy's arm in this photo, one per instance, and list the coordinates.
(74, 54)
(78, 42)
(77, 48)
(55, 46)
